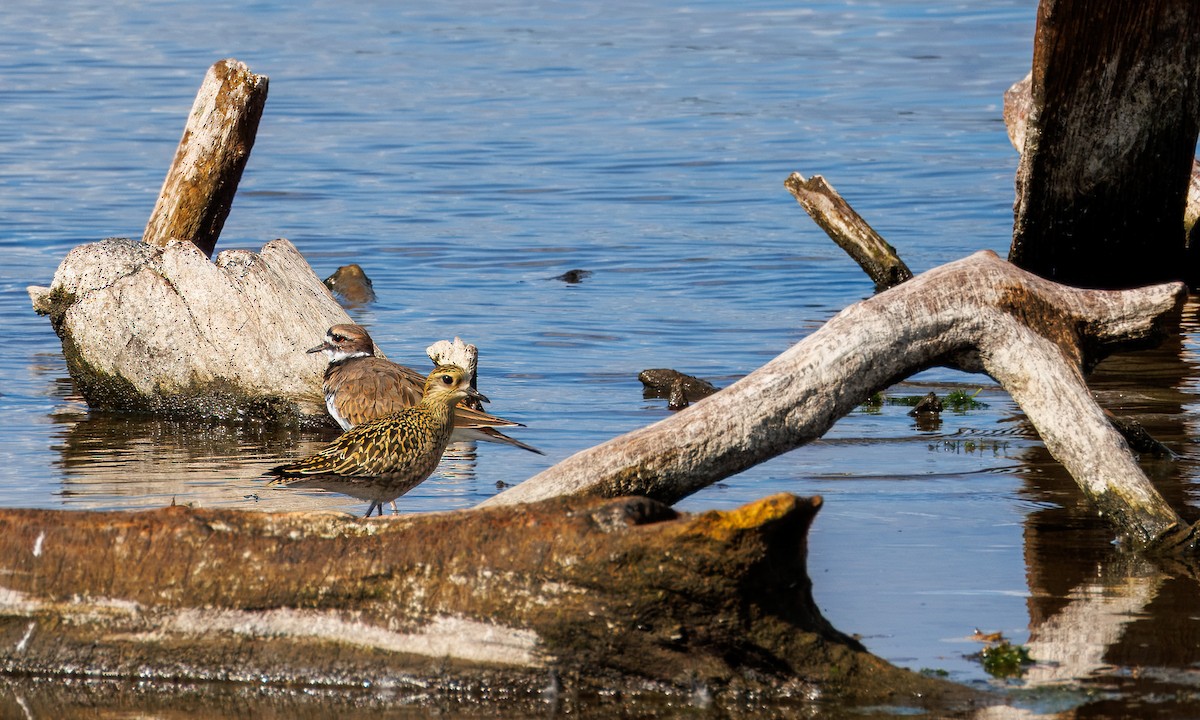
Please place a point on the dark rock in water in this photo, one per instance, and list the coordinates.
(573, 277)
(928, 404)
(680, 390)
(351, 284)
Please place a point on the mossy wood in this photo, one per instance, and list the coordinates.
(618, 595)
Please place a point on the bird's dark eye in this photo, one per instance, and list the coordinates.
(447, 379)
(338, 338)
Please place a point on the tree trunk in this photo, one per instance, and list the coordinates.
(1111, 134)
(198, 192)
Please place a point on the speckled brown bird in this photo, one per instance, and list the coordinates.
(359, 386)
(382, 459)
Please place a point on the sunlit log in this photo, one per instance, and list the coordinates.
(198, 191)
(615, 596)
(979, 314)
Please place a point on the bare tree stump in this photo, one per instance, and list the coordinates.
(720, 600)
(1111, 136)
(979, 314)
(198, 192)
(849, 230)
(166, 330)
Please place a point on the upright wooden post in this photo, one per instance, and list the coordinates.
(199, 188)
(1112, 130)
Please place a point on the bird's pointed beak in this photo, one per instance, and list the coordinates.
(473, 393)
(319, 348)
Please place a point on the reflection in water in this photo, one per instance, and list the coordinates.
(1096, 610)
(112, 460)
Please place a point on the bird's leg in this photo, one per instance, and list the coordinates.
(371, 508)
(395, 510)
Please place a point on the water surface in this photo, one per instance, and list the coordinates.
(467, 153)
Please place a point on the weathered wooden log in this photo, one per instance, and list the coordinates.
(619, 595)
(1018, 100)
(849, 230)
(167, 330)
(1109, 146)
(979, 314)
(198, 191)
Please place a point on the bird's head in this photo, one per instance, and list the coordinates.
(345, 341)
(451, 384)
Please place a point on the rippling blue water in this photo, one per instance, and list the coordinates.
(466, 153)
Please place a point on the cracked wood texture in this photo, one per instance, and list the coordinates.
(167, 330)
(198, 191)
(608, 595)
(979, 314)
(1107, 155)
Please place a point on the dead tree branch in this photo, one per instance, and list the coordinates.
(979, 314)
(849, 230)
(198, 191)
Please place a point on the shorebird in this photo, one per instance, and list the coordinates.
(350, 282)
(359, 387)
(384, 458)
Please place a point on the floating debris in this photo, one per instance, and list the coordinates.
(573, 277)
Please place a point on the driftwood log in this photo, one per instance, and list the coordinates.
(624, 596)
(156, 326)
(981, 314)
(199, 188)
(167, 330)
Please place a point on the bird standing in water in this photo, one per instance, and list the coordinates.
(382, 459)
(359, 386)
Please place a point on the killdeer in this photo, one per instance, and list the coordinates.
(359, 387)
(384, 458)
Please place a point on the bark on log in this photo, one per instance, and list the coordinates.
(1111, 137)
(980, 314)
(1018, 100)
(167, 330)
(849, 230)
(198, 191)
(610, 594)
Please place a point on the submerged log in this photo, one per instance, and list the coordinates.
(167, 330)
(198, 191)
(979, 314)
(616, 595)
(1107, 154)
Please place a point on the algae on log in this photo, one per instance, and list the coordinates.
(167, 330)
(623, 595)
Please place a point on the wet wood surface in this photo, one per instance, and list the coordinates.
(597, 593)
